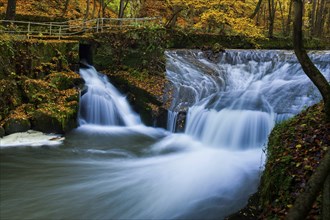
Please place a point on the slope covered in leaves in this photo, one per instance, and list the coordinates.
(296, 148)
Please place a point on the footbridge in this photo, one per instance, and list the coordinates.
(74, 27)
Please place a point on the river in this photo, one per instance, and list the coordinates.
(114, 167)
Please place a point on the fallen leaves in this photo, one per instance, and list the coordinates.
(295, 150)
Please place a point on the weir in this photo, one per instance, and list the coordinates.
(114, 167)
(269, 82)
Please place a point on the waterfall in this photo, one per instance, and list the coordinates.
(234, 100)
(172, 120)
(130, 171)
(102, 104)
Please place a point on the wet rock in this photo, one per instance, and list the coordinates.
(2, 132)
(181, 121)
(55, 118)
(46, 123)
(14, 125)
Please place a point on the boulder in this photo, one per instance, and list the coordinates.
(46, 123)
(14, 125)
(55, 118)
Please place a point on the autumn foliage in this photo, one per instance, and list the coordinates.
(253, 18)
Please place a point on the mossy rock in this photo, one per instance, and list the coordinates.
(14, 125)
(63, 80)
(10, 96)
(46, 123)
(39, 91)
(55, 118)
(2, 132)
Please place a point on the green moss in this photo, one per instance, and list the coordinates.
(62, 80)
(141, 48)
(272, 181)
(38, 73)
(39, 91)
(51, 117)
(294, 151)
(10, 96)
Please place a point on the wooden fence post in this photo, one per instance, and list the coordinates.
(102, 23)
(29, 28)
(50, 29)
(59, 32)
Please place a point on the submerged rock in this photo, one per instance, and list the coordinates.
(30, 138)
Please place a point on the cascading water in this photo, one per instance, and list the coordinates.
(102, 104)
(114, 167)
(243, 93)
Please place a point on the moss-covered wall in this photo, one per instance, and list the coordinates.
(23, 57)
(138, 49)
(134, 60)
(37, 85)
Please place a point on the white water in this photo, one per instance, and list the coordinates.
(172, 120)
(114, 167)
(102, 104)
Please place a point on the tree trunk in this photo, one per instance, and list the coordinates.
(11, 10)
(100, 9)
(288, 21)
(305, 200)
(256, 10)
(307, 65)
(66, 7)
(313, 18)
(121, 9)
(320, 18)
(271, 17)
(94, 8)
(87, 10)
(282, 17)
(172, 21)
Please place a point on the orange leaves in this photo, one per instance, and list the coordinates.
(225, 16)
(153, 84)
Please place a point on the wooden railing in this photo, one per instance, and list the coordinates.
(73, 27)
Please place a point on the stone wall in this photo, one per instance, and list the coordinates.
(37, 85)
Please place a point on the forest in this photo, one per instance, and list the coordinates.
(262, 18)
(165, 109)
